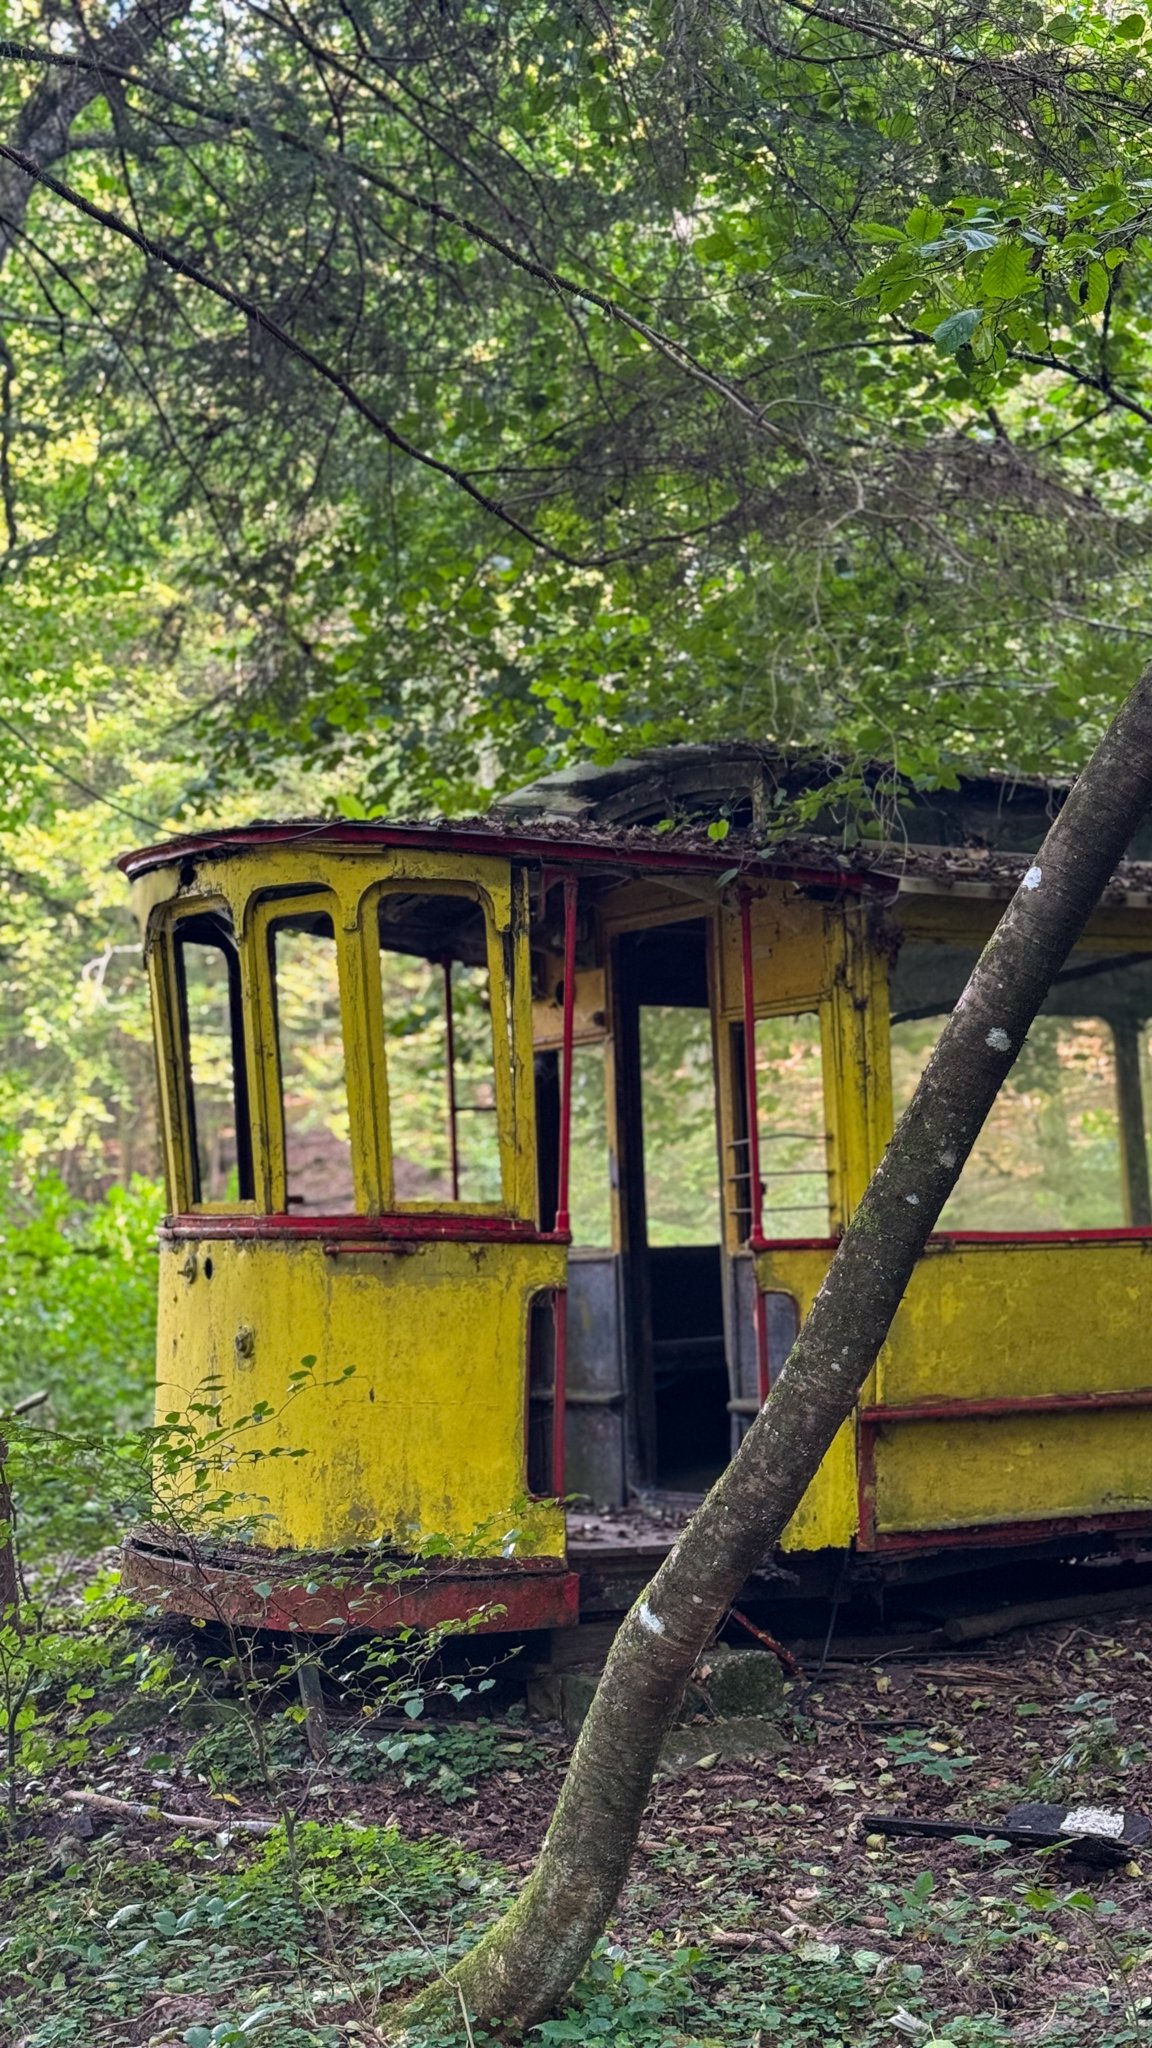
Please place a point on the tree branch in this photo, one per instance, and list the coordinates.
(183, 266)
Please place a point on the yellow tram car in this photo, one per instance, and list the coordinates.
(504, 1159)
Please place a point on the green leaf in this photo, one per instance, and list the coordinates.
(956, 331)
(1062, 28)
(716, 247)
(924, 223)
(197, 2037)
(901, 127)
(875, 231)
(719, 828)
(1093, 292)
(1006, 271)
(1131, 28)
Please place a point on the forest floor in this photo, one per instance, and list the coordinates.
(760, 1913)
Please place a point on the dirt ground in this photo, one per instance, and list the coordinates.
(788, 1918)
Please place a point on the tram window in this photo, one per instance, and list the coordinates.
(1050, 1156)
(679, 1111)
(208, 978)
(792, 1127)
(439, 1050)
(590, 1193)
(313, 1090)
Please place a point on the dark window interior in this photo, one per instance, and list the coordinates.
(541, 1382)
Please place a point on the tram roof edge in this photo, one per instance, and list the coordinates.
(789, 813)
(683, 849)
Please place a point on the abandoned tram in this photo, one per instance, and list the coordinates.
(504, 1159)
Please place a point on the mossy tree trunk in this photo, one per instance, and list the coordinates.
(525, 1964)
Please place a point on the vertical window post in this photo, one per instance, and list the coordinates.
(563, 1223)
(752, 1115)
(563, 1219)
(450, 1061)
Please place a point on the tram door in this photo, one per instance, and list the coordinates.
(670, 1209)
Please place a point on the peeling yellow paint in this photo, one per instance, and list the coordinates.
(1012, 1468)
(992, 1321)
(425, 1440)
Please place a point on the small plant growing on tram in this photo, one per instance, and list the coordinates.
(67, 1642)
(203, 1460)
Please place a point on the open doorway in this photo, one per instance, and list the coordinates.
(671, 1208)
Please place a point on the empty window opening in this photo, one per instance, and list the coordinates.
(439, 1050)
(212, 1029)
(678, 1090)
(1065, 1144)
(792, 1126)
(590, 1166)
(313, 1087)
(590, 1163)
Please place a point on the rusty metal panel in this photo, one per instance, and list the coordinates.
(594, 1431)
(1009, 1320)
(486, 1602)
(425, 1439)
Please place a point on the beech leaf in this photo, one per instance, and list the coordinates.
(956, 331)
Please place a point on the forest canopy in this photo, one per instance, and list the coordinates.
(398, 402)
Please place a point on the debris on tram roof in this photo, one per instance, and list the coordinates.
(977, 837)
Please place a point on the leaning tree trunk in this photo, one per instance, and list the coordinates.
(524, 1965)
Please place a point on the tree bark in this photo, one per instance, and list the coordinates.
(523, 1966)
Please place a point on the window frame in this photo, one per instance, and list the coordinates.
(817, 1006)
(267, 911)
(943, 1235)
(178, 1095)
(507, 1053)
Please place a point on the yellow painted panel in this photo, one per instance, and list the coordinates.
(790, 965)
(1018, 1468)
(827, 1515)
(425, 1440)
(996, 1320)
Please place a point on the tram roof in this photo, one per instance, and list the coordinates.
(651, 812)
